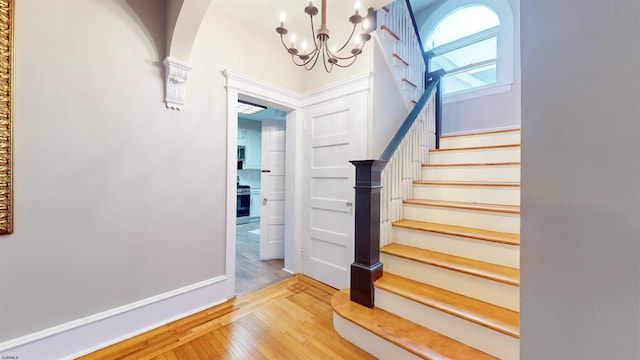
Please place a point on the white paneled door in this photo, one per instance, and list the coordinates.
(272, 189)
(328, 246)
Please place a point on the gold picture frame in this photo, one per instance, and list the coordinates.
(6, 115)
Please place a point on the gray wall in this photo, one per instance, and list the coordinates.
(117, 199)
(580, 178)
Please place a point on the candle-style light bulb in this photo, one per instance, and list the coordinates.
(356, 6)
(283, 17)
(365, 24)
(304, 46)
(293, 40)
(333, 50)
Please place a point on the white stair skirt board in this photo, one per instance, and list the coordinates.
(488, 220)
(494, 292)
(504, 173)
(504, 195)
(482, 338)
(373, 344)
(498, 138)
(481, 250)
(476, 156)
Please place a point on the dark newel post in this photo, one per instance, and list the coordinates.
(367, 267)
(438, 113)
(437, 76)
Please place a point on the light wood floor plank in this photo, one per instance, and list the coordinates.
(288, 320)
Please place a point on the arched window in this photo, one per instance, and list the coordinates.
(474, 42)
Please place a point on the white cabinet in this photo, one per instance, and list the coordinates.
(242, 137)
(253, 148)
(256, 203)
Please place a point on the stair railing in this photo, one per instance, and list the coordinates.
(401, 42)
(383, 184)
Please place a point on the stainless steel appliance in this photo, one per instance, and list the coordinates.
(243, 204)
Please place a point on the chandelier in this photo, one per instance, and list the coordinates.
(330, 55)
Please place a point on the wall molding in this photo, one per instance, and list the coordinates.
(176, 74)
(346, 87)
(83, 336)
(262, 90)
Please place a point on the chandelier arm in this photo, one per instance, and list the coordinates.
(324, 60)
(350, 56)
(313, 32)
(305, 62)
(353, 31)
(315, 58)
(283, 44)
(353, 59)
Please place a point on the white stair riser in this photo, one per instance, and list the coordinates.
(490, 291)
(373, 344)
(505, 195)
(487, 251)
(504, 173)
(500, 138)
(476, 156)
(488, 220)
(482, 338)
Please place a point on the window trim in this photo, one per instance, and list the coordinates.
(505, 35)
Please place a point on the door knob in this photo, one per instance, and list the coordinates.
(264, 201)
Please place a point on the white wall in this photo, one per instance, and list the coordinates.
(580, 174)
(117, 199)
(388, 108)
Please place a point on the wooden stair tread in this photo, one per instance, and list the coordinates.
(466, 183)
(390, 32)
(414, 338)
(480, 133)
(503, 274)
(511, 209)
(477, 164)
(399, 58)
(409, 82)
(479, 234)
(476, 147)
(488, 315)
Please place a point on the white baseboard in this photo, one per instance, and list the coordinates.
(94, 332)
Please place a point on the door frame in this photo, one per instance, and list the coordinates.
(247, 88)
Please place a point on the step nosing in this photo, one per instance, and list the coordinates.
(467, 183)
(508, 209)
(476, 148)
(421, 341)
(475, 133)
(444, 303)
(478, 234)
(506, 163)
(481, 269)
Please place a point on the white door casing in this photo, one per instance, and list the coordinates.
(335, 133)
(273, 96)
(272, 186)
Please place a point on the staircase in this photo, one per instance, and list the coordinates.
(450, 288)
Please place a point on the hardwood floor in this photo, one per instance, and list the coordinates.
(288, 320)
(251, 273)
